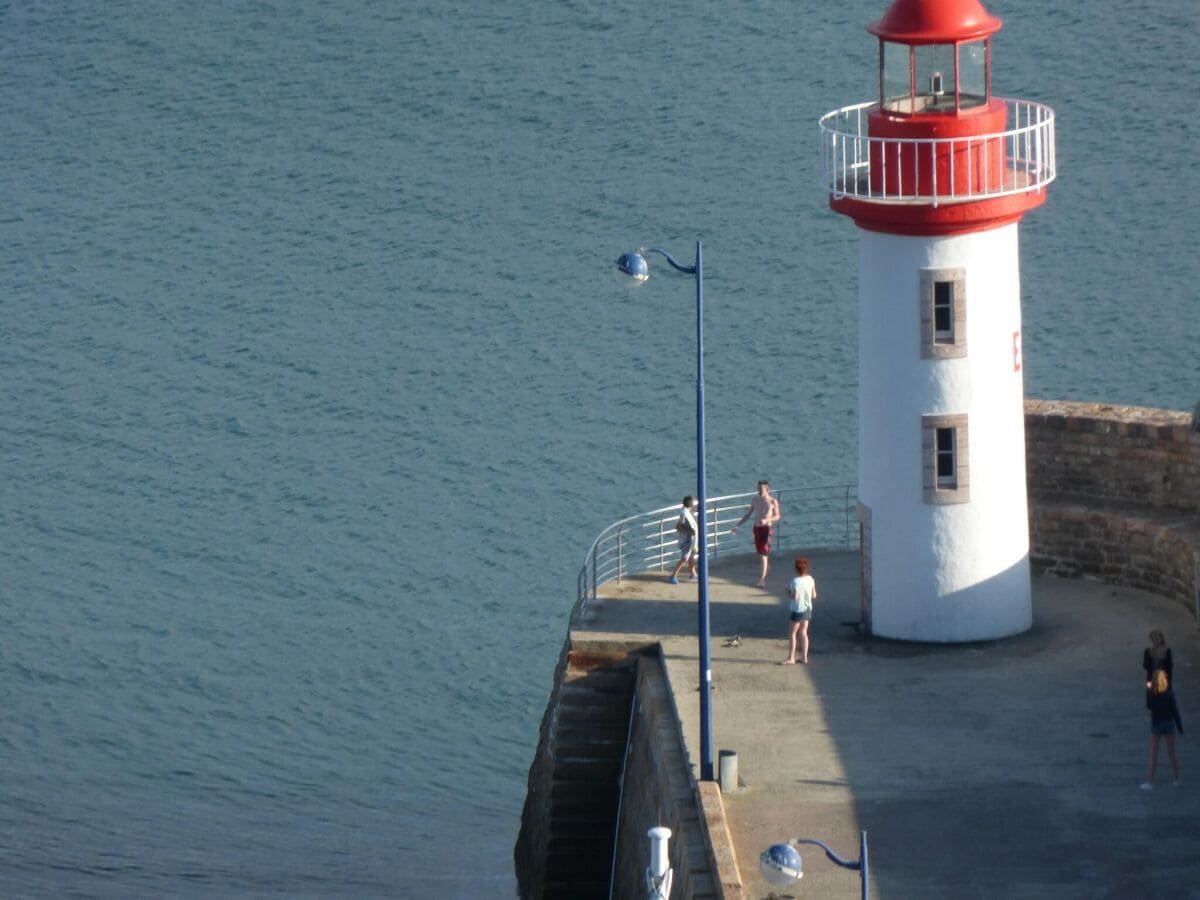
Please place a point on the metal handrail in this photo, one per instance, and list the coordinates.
(847, 151)
(612, 872)
(824, 516)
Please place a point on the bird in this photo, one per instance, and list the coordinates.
(734, 641)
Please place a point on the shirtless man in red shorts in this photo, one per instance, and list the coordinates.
(765, 510)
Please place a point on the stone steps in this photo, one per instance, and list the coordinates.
(588, 750)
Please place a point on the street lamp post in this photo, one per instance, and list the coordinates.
(781, 865)
(634, 266)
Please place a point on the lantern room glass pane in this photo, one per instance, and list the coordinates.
(972, 74)
(897, 92)
(934, 77)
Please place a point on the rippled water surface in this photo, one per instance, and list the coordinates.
(317, 385)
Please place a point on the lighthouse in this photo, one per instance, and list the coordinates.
(937, 172)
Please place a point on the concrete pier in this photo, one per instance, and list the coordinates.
(997, 769)
(1005, 768)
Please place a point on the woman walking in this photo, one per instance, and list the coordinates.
(1164, 722)
(802, 591)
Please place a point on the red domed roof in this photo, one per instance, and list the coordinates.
(935, 22)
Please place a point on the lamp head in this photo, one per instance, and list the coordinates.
(780, 865)
(633, 268)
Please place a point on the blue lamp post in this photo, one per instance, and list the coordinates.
(633, 265)
(781, 865)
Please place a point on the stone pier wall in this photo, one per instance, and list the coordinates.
(529, 854)
(1115, 494)
(1121, 454)
(659, 790)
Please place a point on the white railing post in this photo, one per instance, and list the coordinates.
(620, 553)
(846, 513)
(933, 167)
(883, 179)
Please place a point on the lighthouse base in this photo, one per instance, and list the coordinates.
(951, 576)
(903, 609)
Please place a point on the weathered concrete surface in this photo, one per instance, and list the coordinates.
(1002, 769)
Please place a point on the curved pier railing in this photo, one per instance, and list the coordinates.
(812, 517)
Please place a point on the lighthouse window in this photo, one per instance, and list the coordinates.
(895, 70)
(945, 457)
(972, 74)
(943, 311)
(944, 446)
(933, 74)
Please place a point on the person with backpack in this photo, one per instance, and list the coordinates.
(687, 530)
(1164, 722)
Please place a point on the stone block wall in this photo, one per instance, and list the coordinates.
(1118, 453)
(529, 854)
(1116, 547)
(659, 790)
(1115, 494)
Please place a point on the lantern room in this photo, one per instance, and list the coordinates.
(934, 61)
(936, 151)
(934, 58)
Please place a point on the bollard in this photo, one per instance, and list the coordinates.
(728, 771)
(659, 850)
(659, 874)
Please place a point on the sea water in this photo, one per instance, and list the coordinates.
(318, 383)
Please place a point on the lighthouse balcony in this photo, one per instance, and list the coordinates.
(860, 169)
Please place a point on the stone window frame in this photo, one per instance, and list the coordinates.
(935, 489)
(935, 345)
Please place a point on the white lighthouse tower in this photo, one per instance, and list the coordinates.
(937, 172)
